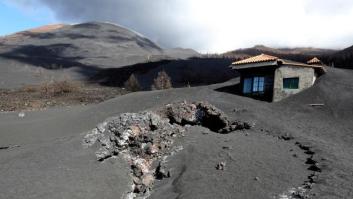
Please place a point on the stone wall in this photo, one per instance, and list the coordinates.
(306, 80)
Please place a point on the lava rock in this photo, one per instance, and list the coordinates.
(161, 172)
(140, 188)
(141, 138)
(151, 149)
(147, 180)
(286, 137)
(227, 147)
(137, 171)
(103, 154)
(204, 114)
(182, 113)
(221, 166)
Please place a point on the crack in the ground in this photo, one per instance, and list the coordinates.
(8, 147)
(303, 192)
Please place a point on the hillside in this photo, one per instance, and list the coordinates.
(296, 54)
(96, 44)
(343, 58)
(77, 51)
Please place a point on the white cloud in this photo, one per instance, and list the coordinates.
(220, 25)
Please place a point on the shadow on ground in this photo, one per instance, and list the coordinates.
(231, 89)
(183, 72)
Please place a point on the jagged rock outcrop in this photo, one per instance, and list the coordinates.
(142, 138)
(204, 114)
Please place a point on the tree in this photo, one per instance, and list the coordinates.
(132, 84)
(162, 81)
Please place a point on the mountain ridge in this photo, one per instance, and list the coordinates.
(331, 57)
(111, 39)
(301, 54)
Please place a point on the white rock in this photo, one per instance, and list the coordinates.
(21, 114)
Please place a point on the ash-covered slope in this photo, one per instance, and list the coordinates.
(82, 48)
(96, 44)
(290, 144)
(343, 58)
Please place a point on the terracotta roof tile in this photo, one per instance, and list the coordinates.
(267, 58)
(314, 60)
(256, 59)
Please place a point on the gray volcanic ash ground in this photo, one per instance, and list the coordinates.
(290, 145)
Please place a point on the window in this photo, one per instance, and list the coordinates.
(291, 83)
(247, 85)
(254, 85)
(259, 84)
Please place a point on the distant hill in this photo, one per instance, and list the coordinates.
(343, 58)
(337, 58)
(296, 54)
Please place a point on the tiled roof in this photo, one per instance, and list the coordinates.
(256, 59)
(314, 60)
(247, 63)
(294, 63)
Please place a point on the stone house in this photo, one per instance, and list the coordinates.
(270, 78)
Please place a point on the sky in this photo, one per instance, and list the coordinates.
(211, 26)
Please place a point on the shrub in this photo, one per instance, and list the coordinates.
(132, 84)
(29, 89)
(162, 81)
(57, 88)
